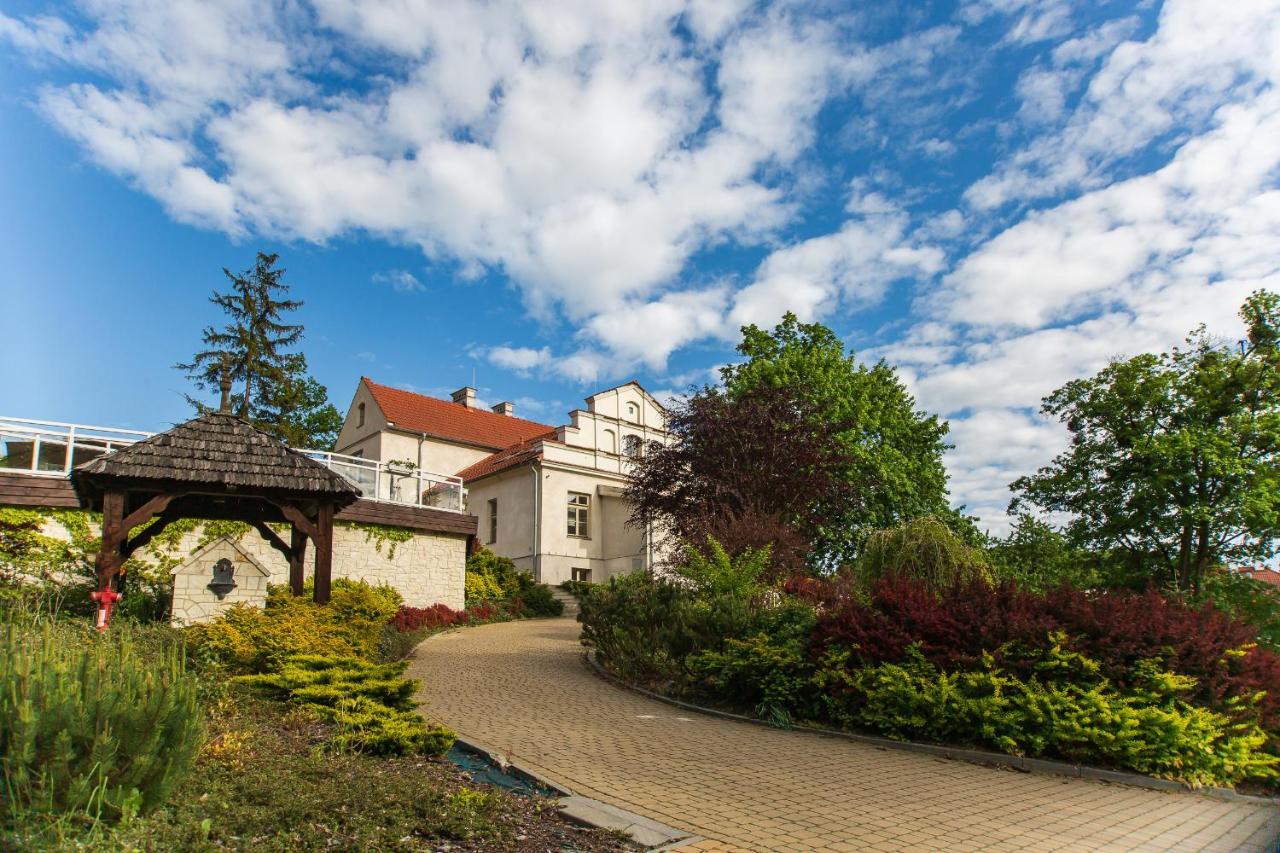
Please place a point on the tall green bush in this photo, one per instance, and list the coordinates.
(89, 725)
(491, 577)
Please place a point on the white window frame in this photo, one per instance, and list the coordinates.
(579, 520)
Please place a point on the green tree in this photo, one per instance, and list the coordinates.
(297, 409)
(891, 444)
(1038, 556)
(275, 392)
(1174, 462)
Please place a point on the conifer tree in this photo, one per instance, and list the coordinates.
(273, 390)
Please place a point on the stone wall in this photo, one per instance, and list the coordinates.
(194, 601)
(429, 568)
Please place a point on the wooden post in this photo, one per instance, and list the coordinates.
(109, 556)
(297, 558)
(324, 553)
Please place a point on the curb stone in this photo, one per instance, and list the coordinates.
(645, 831)
(973, 756)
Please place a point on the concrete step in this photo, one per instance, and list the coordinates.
(570, 603)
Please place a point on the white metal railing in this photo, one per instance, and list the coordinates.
(387, 481)
(53, 448)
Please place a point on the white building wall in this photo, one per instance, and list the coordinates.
(515, 491)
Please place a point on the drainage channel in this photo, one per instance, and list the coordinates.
(481, 768)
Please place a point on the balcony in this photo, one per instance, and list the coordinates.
(52, 449)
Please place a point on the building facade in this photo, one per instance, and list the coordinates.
(550, 498)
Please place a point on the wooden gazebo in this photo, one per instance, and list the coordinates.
(214, 467)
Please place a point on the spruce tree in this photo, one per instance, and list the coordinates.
(273, 390)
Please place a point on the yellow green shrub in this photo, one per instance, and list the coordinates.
(370, 704)
(250, 639)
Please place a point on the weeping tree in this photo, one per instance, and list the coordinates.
(923, 549)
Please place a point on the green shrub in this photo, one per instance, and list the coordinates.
(371, 727)
(1149, 729)
(481, 588)
(714, 572)
(538, 601)
(253, 639)
(1248, 600)
(768, 672)
(87, 724)
(578, 589)
(639, 626)
(493, 577)
(372, 704)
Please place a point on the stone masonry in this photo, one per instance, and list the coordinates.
(194, 601)
(429, 568)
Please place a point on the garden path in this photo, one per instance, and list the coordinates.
(523, 689)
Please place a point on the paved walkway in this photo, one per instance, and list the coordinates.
(523, 689)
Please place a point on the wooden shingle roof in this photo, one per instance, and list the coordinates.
(215, 452)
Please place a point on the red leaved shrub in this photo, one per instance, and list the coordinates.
(408, 619)
(483, 612)
(1116, 628)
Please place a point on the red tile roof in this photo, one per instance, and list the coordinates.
(508, 457)
(451, 421)
(1264, 574)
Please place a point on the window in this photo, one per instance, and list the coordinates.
(580, 515)
(632, 446)
(633, 412)
(581, 575)
(493, 520)
(610, 442)
(360, 415)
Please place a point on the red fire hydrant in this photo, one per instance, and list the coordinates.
(105, 599)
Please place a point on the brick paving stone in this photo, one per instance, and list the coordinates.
(523, 689)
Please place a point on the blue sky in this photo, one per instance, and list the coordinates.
(997, 196)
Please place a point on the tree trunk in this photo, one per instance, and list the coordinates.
(1202, 555)
(1184, 557)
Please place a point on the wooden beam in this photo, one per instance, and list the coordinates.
(273, 539)
(299, 519)
(297, 559)
(324, 554)
(109, 557)
(148, 534)
(148, 510)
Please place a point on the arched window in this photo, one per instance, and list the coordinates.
(633, 412)
(609, 442)
(632, 445)
(360, 415)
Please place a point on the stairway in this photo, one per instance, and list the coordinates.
(570, 603)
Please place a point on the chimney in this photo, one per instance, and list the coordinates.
(465, 397)
(505, 408)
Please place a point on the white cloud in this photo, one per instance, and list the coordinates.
(1201, 56)
(401, 281)
(519, 359)
(852, 267)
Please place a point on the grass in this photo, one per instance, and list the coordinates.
(263, 782)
